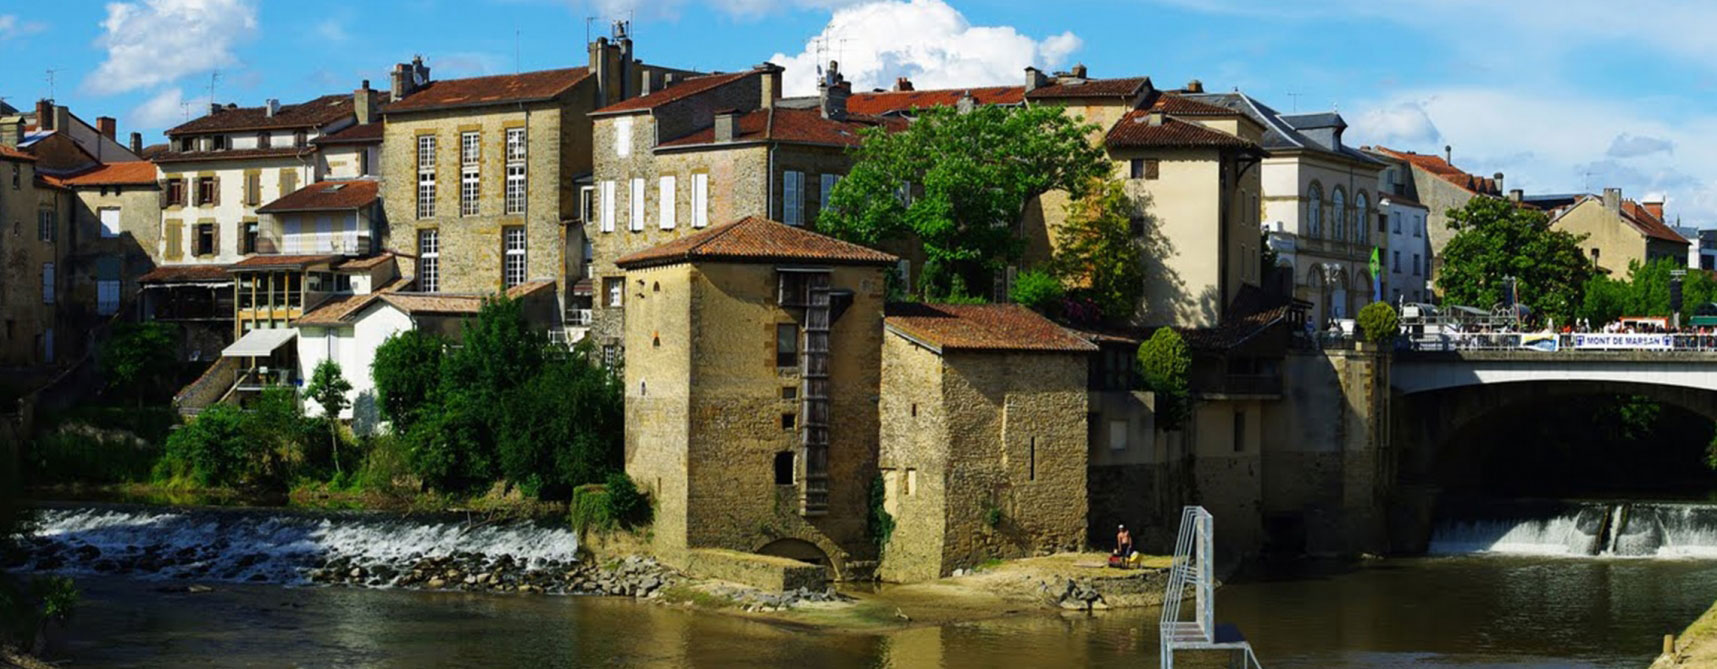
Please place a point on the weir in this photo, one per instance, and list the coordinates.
(1610, 529)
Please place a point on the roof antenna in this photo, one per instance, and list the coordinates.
(518, 60)
(587, 22)
(51, 72)
(1294, 99)
(214, 77)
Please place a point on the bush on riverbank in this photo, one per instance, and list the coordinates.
(606, 506)
(267, 445)
(73, 455)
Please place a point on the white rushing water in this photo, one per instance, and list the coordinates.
(273, 547)
(1623, 529)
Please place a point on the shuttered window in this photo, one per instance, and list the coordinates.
(637, 205)
(793, 198)
(700, 200)
(665, 195)
(607, 196)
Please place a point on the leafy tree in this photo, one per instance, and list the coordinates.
(406, 371)
(1645, 292)
(1495, 239)
(328, 389)
(1165, 363)
(138, 358)
(1606, 300)
(1098, 252)
(1038, 290)
(564, 427)
(1378, 322)
(209, 450)
(959, 182)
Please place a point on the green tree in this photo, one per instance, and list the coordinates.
(328, 389)
(209, 450)
(1098, 253)
(456, 445)
(1606, 300)
(406, 371)
(1495, 239)
(1038, 290)
(1378, 322)
(959, 182)
(1165, 363)
(138, 358)
(564, 427)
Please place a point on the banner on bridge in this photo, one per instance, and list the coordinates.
(1547, 343)
(1620, 341)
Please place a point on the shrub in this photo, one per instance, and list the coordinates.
(210, 450)
(1165, 362)
(563, 428)
(881, 525)
(75, 455)
(406, 370)
(138, 359)
(626, 503)
(1037, 290)
(589, 508)
(1378, 323)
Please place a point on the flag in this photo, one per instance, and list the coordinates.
(1376, 274)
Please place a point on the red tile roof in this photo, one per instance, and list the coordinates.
(325, 196)
(1649, 225)
(14, 154)
(233, 154)
(674, 93)
(795, 126)
(1092, 88)
(491, 90)
(366, 263)
(367, 133)
(334, 311)
(129, 173)
(1179, 106)
(186, 274)
(884, 102)
(313, 114)
(1135, 131)
(753, 239)
(1447, 172)
(276, 261)
(992, 327)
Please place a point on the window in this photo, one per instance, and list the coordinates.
(1338, 214)
(1315, 212)
(426, 176)
(206, 191)
(623, 136)
(700, 200)
(17, 174)
(1031, 460)
(106, 296)
(513, 262)
(904, 193)
(470, 172)
(429, 260)
(637, 204)
(903, 275)
(826, 188)
(47, 283)
(515, 196)
(615, 288)
(1395, 222)
(1418, 225)
(300, 139)
(48, 345)
(1117, 435)
(793, 198)
(1239, 432)
(263, 139)
(249, 241)
(205, 240)
(610, 355)
(788, 420)
(288, 180)
(607, 198)
(1143, 168)
(1415, 264)
(666, 191)
(175, 192)
(45, 228)
(784, 465)
(1361, 217)
(253, 188)
(786, 345)
(586, 203)
(789, 392)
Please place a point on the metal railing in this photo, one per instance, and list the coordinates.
(1194, 567)
(1587, 342)
(580, 317)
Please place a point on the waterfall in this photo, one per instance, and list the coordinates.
(1618, 529)
(1669, 530)
(272, 546)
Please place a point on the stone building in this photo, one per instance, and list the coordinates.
(983, 433)
(752, 374)
(1620, 231)
(713, 148)
(1435, 182)
(34, 243)
(482, 175)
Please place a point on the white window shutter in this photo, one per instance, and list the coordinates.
(623, 136)
(637, 205)
(700, 200)
(608, 206)
(665, 196)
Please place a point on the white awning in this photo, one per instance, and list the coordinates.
(259, 343)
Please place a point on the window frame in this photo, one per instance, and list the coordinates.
(426, 148)
(700, 199)
(793, 198)
(197, 240)
(118, 222)
(636, 204)
(514, 260)
(787, 357)
(429, 260)
(614, 287)
(470, 172)
(208, 198)
(667, 192)
(607, 197)
(517, 171)
(49, 283)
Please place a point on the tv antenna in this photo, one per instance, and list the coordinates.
(214, 78)
(518, 59)
(1294, 101)
(50, 78)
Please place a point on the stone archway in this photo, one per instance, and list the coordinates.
(797, 549)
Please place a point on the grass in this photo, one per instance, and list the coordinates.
(688, 594)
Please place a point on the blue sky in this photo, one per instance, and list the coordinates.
(1561, 96)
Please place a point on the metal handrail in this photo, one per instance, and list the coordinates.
(1194, 561)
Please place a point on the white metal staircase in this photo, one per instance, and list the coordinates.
(1193, 568)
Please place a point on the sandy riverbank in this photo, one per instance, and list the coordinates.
(1696, 646)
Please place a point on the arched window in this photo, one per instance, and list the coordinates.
(1338, 214)
(1315, 212)
(1362, 208)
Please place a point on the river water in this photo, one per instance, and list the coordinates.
(1491, 609)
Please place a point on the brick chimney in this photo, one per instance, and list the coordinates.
(215, 108)
(1034, 78)
(1078, 71)
(12, 134)
(832, 93)
(107, 126)
(44, 114)
(364, 103)
(726, 125)
(407, 78)
(1195, 86)
(1613, 200)
(771, 84)
(62, 117)
(1516, 195)
(1654, 204)
(137, 143)
(902, 84)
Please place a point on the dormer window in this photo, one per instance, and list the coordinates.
(187, 144)
(263, 139)
(299, 139)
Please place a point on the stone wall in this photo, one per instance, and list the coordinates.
(766, 572)
(133, 249)
(913, 461)
(658, 399)
(28, 320)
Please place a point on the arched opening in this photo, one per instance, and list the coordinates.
(796, 549)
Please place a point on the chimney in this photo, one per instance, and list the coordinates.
(1034, 79)
(1654, 204)
(1516, 195)
(1154, 117)
(107, 126)
(645, 81)
(1195, 86)
(137, 143)
(1449, 154)
(215, 108)
(407, 78)
(623, 37)
(62, 117)
(1613, 200)
(44, 114)
(832, 93)
(966, 103)
(771, 84)
(271, 107)
(364, 103)
(902, 84)
(599, 68)
(12, 134)
(726, 125)
(1498, 178)
(1079, 71)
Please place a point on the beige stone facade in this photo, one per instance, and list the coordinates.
(1619, 232)
(34, 243)
(109, 260)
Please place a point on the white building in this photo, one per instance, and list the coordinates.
(1407, 252)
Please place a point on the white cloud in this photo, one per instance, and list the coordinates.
(926, 40)
(619, 9)
(1632, 146)
(332, 30)
(12, 27)
(155, 42)
(1403, 124)
(164, 110)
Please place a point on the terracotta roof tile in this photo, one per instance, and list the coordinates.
(129, 173)
(686, 88)
(277, 261)
(1437, 166)
(1180, 106)
(1649, 225)
(367, 133)
(1092, 88)
(795, 126)
(15, 154)
(325, 196)
(1135, 131)
(335, 311)
(491, 90)
(753, 239)
(528, 288)
(996, 327)
(884, 102)
(434, 303)
(367, 262)
(186, 274)
(313, 114)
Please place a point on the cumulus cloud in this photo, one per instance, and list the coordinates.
(739, 8)
(1403, 124)
(926, 40)
(1631, 146)
(155, 42)
(165, 109)
(12, 27)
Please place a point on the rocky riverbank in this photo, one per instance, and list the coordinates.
(634, 576)
(1696, 646)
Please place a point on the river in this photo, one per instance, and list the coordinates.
(1491, 609)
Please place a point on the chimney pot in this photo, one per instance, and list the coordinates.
(771, 84)
(1516, 195)
(726, 125)
(1195, 86)
(107, 126)
(1654, 204)
(137, 143)
(271, 107)
(1079, 71)
(1034, 78)
(44, 114)
(215, 108)
(902, 84)
(1449, 154)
